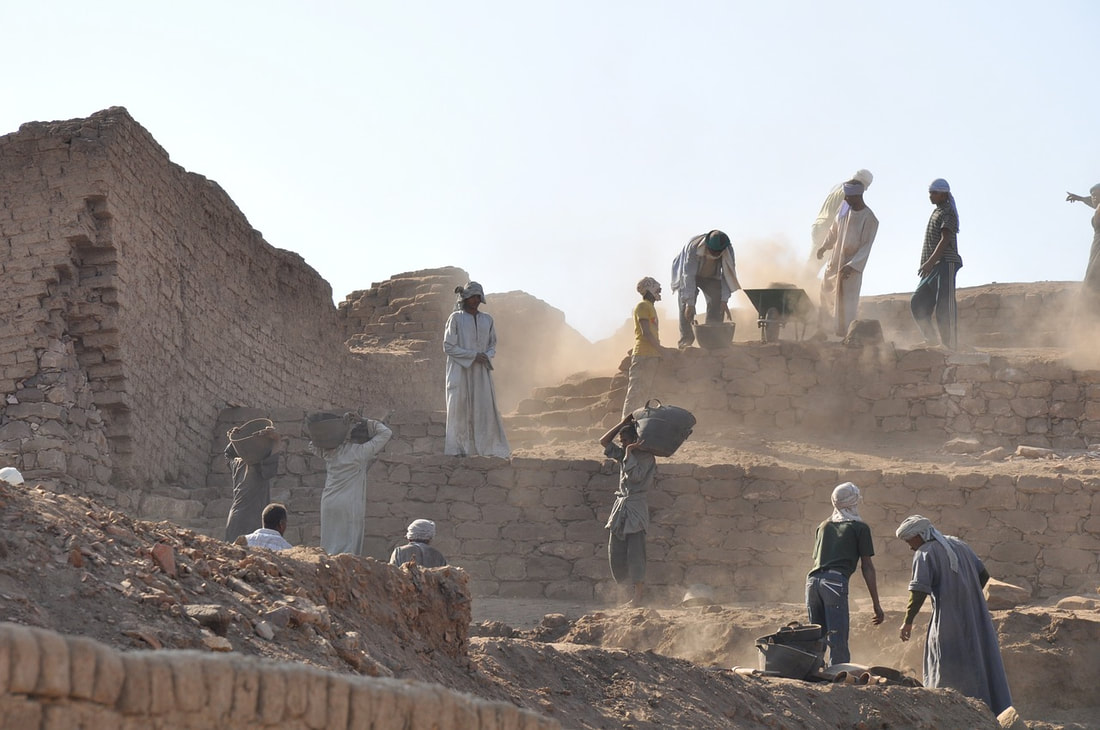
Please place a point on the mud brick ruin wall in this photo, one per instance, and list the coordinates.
(992, 315)
(138, 303)
(992, 399)
(535, 527)
(49, 680)
(408, 313)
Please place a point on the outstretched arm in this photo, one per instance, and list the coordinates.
(1087, 200)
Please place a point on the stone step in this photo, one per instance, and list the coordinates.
(590, 387)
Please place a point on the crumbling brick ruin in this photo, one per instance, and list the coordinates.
(143, 316)
(48, 680)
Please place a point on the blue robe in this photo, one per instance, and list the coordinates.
(961, 649)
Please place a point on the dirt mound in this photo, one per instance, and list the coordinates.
(71, 565)
(1038, 643)
(588, 687)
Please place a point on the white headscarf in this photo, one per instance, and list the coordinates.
(864, 176)
(420, 530)
(915, 525)
(846, 499)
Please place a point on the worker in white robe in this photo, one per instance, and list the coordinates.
(344, 498)
(849, 241)
(474, 425)
(832, 208)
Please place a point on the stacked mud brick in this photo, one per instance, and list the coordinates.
(1035, 314)
(535, 527)
(59, 681)
(410, 308)
(172, 304)
(993, 400)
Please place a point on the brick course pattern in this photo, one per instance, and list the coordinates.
(138, 302)
(534, 528)
(995, 400)
(48, 680)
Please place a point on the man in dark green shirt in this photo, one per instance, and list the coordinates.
(842, 541)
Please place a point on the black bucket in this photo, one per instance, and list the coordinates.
(787, 660)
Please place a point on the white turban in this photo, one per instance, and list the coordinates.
(11, 475)
(916, 525)
(420, 530)
(864, 176)
(854, 187)
(846, 499)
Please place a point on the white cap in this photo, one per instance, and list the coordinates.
(11, 475)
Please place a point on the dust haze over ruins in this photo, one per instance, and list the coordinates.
(143, 317)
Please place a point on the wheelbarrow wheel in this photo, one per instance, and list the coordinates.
(771, 325)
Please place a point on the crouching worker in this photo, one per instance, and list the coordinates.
(270, 536)
(418, 549)
(629, 518)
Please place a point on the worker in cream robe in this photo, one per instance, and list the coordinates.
(849, 243)
(833, 208)
(474, 425)
(344, 498)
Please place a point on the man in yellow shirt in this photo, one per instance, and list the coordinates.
(647, 347)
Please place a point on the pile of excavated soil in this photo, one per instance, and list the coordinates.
(73, 566)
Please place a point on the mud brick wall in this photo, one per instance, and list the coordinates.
(996, 400)
(992, 315)
(49, 680)
(408, 312)
(535, 528)
(171, 303)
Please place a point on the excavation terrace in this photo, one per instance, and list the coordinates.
(144, 317)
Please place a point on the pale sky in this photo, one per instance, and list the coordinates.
(569, 148)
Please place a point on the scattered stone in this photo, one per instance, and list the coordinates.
(278, 616)
(212, 616)
(492, 629)
(1035, 452)
(240, 586)
(264, 630)
(994, 454)
(554, 620)
(165, 558)
(144, 635)
(863, 332)
(1009, 719)
(76, 559)
(1001, 595)
(1079, 603)
(962, 446)
(217, 643)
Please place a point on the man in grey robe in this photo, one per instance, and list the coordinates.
(961, 649)
(251, 488)
(629, 518)
(418, 549)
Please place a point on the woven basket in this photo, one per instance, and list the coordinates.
(327, 430)
(249, 443)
